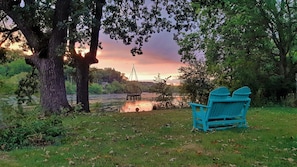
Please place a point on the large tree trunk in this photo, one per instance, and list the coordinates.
(82, 64)
(82, 83)
(53, 91)
(52, 85)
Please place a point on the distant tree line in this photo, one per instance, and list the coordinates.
(20, 78)
(101, 81)
(107, 80)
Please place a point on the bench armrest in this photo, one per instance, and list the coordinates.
(201, 112)
(198, 105)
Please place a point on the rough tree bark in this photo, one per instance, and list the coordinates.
(52, 87)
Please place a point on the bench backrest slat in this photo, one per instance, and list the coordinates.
(227, 109)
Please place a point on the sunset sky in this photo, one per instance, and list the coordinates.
(160, 55)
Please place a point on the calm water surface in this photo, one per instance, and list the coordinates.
(118, 102)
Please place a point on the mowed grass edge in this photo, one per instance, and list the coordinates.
(164, 138)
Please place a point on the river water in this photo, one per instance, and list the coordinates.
(118, 103)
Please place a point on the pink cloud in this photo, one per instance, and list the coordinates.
(159, 56)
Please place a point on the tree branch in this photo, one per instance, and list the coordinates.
(59, 33)
(8, 33)
(25, 27)
(91, 56)
(14, 29)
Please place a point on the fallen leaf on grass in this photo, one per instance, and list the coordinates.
(95, 158)
(172, 159)
(46, 155)
(71, 162)
(291, 160)
(111, 152)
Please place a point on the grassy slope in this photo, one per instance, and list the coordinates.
(163, 138)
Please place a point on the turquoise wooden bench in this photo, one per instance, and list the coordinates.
(222, 110)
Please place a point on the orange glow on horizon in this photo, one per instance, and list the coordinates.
(147, 66)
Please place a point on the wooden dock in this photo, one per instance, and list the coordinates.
(133, 96)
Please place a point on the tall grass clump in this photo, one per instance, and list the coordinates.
(19, 129)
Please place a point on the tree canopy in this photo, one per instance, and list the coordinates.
(249, 43)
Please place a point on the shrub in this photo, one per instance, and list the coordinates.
(95, 88)
(28, 86)
(20, 129)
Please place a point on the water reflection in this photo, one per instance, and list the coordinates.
(137, 106)
(118, 103)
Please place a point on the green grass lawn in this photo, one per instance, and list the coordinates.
(164, 138)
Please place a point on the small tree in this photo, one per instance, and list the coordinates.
(28, 86)
(161, 87)
(195, 81)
